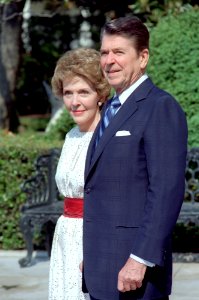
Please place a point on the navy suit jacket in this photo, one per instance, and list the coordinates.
(134, 189)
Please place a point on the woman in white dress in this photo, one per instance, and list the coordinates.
(79, 81)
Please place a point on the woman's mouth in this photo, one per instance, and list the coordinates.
(77, 112)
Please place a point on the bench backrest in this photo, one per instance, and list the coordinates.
(192, 176)
(41, 188)
(189, 213)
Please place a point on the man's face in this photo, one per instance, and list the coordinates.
(120, 62)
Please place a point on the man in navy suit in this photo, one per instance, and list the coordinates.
(134, 176)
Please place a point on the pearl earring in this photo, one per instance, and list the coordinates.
(99, 103)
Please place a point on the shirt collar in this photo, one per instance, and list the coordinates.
(124, 95)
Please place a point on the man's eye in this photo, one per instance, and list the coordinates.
(119, 52)
(104, 53)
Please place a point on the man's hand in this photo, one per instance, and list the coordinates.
(131, 276)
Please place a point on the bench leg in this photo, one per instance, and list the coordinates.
(49, 233)
(27, 231)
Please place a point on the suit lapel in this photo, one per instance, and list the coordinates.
(128, 109)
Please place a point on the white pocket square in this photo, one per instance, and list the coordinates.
(123, 133)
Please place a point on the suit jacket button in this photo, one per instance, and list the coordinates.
(87, 190)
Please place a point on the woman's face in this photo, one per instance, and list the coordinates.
(81, 100)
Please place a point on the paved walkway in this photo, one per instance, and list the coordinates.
(32, 283)
(23, 283)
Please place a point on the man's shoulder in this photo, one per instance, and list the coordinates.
(160, 92)
(161, 97)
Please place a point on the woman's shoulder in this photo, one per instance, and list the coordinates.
(73, 132)
(76, 133)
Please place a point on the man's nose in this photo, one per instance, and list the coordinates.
(110, 58)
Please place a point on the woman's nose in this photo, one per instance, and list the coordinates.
(75, 100)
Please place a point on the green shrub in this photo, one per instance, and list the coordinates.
(34, 123)
(174, 63)
(17, 154)
(63, 124)
(193, 124)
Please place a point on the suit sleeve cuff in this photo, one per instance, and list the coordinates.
(143, 261)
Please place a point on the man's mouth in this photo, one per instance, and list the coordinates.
(112, 71)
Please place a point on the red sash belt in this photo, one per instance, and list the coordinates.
(73, 207)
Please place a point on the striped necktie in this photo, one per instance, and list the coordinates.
(111, 109)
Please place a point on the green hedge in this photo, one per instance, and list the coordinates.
(174, 63)
(17, 154)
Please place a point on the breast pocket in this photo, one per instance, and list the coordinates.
(122, 139)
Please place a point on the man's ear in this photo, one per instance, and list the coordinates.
(144, 57)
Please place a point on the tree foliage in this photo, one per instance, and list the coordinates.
(174, 63)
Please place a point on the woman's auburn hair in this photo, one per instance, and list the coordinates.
(84, 63)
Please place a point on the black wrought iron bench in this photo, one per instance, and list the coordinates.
(43, 205)
(189, 213)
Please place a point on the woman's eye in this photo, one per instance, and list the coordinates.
(67, 93)
(84, 93)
